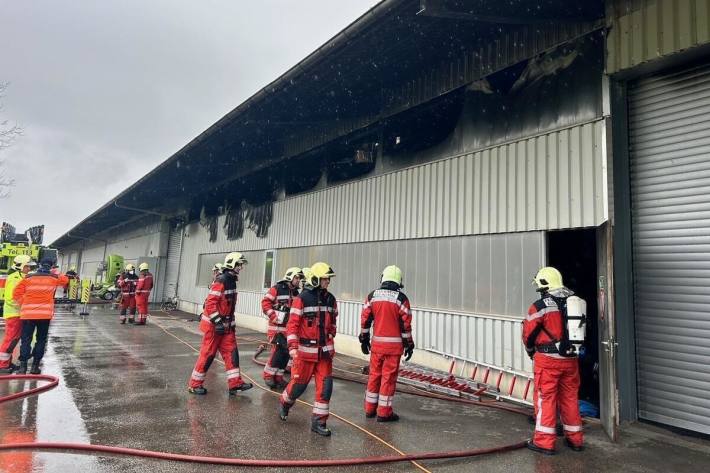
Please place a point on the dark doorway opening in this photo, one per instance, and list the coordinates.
(574, 254)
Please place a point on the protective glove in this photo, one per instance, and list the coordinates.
(218, 323)
(364, 343)
(530, 352)
(408, 352)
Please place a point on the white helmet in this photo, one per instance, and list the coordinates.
(234, 259)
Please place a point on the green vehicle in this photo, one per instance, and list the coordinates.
(107, 289)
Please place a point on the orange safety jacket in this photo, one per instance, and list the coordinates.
(35, 294)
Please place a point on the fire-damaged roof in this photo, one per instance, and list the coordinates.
(400, 55)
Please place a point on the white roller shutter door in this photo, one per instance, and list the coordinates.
(669, 140)
(172, 268)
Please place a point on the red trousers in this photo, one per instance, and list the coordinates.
(142, 305)
(227, 346)
(128, 305)
(13, 330)
(276, 366)
(556, 388)
(381, 384)
(301, 373)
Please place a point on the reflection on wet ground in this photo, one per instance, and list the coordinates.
(125, 385)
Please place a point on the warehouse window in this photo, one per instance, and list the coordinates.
(204, 268)
(269, 268)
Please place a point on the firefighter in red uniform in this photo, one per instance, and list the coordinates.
(217, 323)
(127, 282)
(547, 341)
(143, 288)
(276, 305)
(310, 332)
(388, 309)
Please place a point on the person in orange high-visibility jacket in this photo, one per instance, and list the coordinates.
(11, 313)
(387, 308)
(310, 332)
(217, 323)
(35, 296)
(276, 305)
(143, 288)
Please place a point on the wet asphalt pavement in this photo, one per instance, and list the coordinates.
(125, 385)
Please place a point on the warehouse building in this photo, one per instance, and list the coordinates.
(470, 143)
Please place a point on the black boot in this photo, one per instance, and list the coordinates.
(531, 446)
(576, 448)
(283, 411)
(35, 368)
(22, 369)
(270, 382)
(200, 390)
(242, 387)
(9, 369)
(319, 427)
(390, 418)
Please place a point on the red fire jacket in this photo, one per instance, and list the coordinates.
(276, 305)
(221, 300)
(145, 284)
(544, 323)
(389, 310)
(312, 324)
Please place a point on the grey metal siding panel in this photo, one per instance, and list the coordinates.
(644, 30)
(669, 125)
(502, 192)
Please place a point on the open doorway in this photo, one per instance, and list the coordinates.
(574, 254)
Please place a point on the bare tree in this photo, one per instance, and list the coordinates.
(8, 134)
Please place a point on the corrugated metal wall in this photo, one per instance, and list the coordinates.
(644, 30)
(550, 181)
(484, 274)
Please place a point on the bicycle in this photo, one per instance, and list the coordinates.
(169, 304)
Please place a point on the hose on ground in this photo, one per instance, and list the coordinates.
(64, 447)
(356, 378)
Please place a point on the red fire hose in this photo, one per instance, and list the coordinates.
(78, 447)
(355, 378)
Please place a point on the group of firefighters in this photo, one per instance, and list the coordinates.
(302, 325)
(135, 293)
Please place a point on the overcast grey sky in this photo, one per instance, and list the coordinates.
(106, 90)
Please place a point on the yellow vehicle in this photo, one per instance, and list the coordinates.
(12, 245)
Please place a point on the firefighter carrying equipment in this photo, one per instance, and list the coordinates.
(320, 271)
(310, 332)
(393, 274)
(292, 273)
(234, 259)
(143, 267)
(556, 374)
(217, 324)
(276, 305)
(388, 314)
(548, 278)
